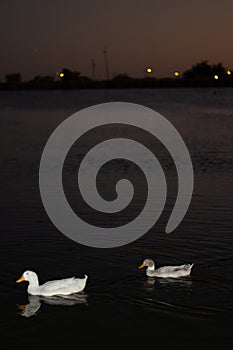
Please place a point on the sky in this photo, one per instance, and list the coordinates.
(42, 37)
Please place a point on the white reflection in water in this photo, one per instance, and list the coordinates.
(175, 281)
(35, 302)
(151, 283)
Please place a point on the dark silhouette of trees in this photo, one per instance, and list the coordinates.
(70, 75)
(200, 74)
(219, 69)
(74, 80)
(43, 79)
(13, 78)
(122, 79)
(203, 70)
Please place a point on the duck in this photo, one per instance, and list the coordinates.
(64, 286)
(166, 271)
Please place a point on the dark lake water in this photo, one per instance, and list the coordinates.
(120, 307)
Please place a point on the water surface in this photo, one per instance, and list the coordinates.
(120, 308)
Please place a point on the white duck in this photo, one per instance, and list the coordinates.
(65, 286)
(166, 271)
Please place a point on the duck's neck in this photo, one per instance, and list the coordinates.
(33, 283)
(151, 268)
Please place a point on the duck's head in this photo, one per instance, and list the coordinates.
(29, 276)
(147, 263)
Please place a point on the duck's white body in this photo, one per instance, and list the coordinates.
(166, 271)
(65, 286)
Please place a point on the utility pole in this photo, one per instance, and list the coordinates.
(106, 62)
(93, 68)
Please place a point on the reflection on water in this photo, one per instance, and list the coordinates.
(182, 282)
(35, 302)
(151, 283)
(31, 308)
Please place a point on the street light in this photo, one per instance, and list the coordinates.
(149, 70)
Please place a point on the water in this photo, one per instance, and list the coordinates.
(120, 307)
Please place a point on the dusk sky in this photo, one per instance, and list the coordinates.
(42, 37)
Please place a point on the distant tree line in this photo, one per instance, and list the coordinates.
(204, 70)
(200, 74)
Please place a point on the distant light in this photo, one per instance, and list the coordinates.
(176, 73)
(61, 75)
(216, 77)
(228, 72)
(149, 70)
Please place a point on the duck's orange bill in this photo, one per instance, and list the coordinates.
(20, 279)
(21, 307)
(141, 266)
